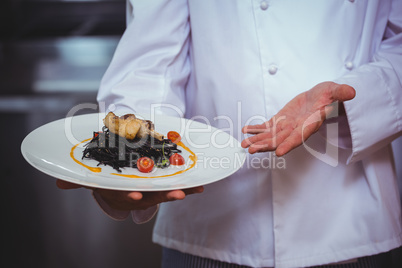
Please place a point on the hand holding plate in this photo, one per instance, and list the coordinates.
(128, 200)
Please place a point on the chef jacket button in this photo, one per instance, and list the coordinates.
(349, 65)
(272, 69)
(352, 1)
(264, 5)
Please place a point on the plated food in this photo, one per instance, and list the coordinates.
(127, 141)
(56, 149)
(129, 126)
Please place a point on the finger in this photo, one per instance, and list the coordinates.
(195, 190)
(343, 93)
(135, 196)
(255, 129)
(275, 133)
(262, 146)
(125, 200)
(257, 138)
(175, 195)
(275, 124)
(298, 136)
(180, 194)
(269, 144)
(67, 185)
(154, 198)
(294, 140)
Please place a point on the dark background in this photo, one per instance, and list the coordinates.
(53, 54)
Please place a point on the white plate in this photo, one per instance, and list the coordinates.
(48, 149)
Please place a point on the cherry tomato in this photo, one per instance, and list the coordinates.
(176, 160)
(145, 164)
(174, 136)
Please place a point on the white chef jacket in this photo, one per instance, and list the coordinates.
(244, 60)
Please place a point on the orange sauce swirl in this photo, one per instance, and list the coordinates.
(192, 157)
(93, 169)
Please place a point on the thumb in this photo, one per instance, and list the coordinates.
(343, 93)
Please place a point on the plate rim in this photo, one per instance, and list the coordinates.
(25, 153)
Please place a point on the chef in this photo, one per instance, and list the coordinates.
(316, 84)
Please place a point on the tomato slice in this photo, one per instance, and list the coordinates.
(145, 164)
(174, 136)
(96, 134)
(176, 160)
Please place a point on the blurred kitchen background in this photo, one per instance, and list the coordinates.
(53, 54)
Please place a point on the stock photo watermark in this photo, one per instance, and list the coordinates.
(199, 133)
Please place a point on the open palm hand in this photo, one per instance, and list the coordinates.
(298, 120)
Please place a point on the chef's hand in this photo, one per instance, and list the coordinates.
(126, 200)
(298, 120)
